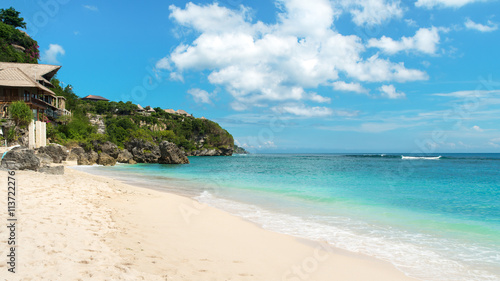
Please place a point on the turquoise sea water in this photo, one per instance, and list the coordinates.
(435, 218)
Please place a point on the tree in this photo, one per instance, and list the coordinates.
(21, 113)
(11, 17)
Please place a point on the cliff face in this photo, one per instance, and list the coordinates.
(194, 136)
(240, 150)
(120, 122)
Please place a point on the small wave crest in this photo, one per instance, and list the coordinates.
(372, 156)
(413, 253)
(420, 157)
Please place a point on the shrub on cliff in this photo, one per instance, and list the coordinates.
(10, 36)
(21, 113)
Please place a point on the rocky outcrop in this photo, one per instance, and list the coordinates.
(45, 159)
(110, 148)
(72, 157)
(57, 152)
(143, 151)
(20, 159)
(125, 157)
(97, 120)
(171, 154)
(77, 150)
(75, 153)
(211, 152)
(53, 170)
(239, 150)
(23, 136)
(106, 160)
(204, 152)
(88, 158)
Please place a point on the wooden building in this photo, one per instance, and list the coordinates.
(31, 84)
(94, 98)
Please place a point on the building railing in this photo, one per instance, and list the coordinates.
(34, 101)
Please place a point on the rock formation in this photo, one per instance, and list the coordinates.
(143, 151)
(125, 157)
(171, 154)
(20, 158)
(57, 152)
(106, 160)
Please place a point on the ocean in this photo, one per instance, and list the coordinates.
(435, 217)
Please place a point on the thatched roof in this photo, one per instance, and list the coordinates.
(140, 108)
(37, 72)
(16, 77)
(171, 111)
(94, 97)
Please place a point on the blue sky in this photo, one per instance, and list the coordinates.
(291, 75)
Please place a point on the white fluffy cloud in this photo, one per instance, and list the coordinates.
(200, 96)
(389, 91)
(50, 55)
(349, 87)
(305, 111)
(469, 24)
(425, 40)
(444, 3)
(373, 12)
(258, 63)
(306, 18)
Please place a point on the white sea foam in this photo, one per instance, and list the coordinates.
(420, 157)
(418, 255)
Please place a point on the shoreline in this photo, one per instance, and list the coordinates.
(103, 228)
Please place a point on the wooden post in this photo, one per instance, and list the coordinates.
(31, 135)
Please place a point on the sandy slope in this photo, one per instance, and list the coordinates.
(84, 227)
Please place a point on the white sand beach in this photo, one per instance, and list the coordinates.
(85, 227)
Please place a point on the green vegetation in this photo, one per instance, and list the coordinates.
(10, 37)
(239, 150)
(122, 120)
(12, 17)
(123, 123)
(21, 113)
(71, 98)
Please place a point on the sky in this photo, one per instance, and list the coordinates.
(342, 76)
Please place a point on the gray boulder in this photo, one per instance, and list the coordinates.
(78, 150)
(106, 160)
(205, 152)
(45, 159)
(72, 157)
(125, 157)
(58, 152)
(75, 153)
(143, 151)
(53, 170)
(221, 151)
(110, 148)
(89, 158)
(171, 154)
(20, 159)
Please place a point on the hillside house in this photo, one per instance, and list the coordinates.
(94, 98)
(31, 84)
